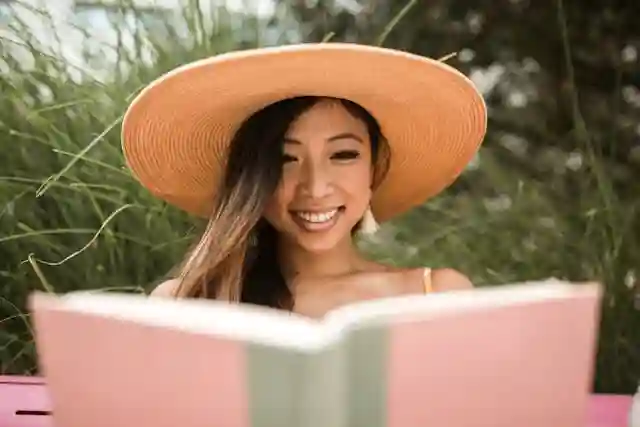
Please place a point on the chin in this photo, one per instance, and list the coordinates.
(318, 241)
(318, 244)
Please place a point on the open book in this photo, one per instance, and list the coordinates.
(513, 355)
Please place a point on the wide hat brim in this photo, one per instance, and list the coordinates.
(177, 130)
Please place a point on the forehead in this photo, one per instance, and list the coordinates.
(327, 117)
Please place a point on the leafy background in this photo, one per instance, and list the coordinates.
(553, 192)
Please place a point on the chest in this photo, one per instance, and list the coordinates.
(372, 281)
(314, 296)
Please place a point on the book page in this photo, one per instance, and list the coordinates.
(379, 311)
(284, 329)
(237, 322)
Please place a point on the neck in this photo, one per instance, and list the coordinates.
(297, 262)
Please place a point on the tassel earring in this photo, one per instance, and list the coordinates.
(368, 224)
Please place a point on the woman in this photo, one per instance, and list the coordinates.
(289, 152)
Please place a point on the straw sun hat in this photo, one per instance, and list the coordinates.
(176, 131)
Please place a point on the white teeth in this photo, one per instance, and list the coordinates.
(317, 217)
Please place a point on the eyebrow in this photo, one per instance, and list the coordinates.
(343, 135)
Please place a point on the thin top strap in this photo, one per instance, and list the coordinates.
(426, 281)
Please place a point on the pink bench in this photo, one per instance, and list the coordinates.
(24, 403)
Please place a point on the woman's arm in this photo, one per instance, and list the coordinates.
(166, 289)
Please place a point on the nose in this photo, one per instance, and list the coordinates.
(316, 180)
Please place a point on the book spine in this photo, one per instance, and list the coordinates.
(321, 389)
(272, 378)
(342, 385)
(367, 351)
(289, 388)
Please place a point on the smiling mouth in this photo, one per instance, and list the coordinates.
(317, 221)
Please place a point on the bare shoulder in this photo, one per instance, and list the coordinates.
(167, 288)
(442, 279)
(447, 279)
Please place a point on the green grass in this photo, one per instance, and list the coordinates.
(72, 217)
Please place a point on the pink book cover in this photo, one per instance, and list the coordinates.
(519, 355)
(105, 372)
(528, 365)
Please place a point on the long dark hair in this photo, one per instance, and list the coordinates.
(236, 258)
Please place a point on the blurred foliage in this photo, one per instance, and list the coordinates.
(552, 193)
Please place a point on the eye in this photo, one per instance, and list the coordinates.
(287, 158)
(346, 155)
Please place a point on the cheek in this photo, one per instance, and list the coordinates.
(356, 183)
(277, 206)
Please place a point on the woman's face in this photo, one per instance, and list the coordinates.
(326, 178)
